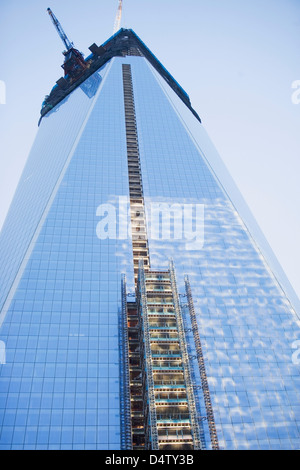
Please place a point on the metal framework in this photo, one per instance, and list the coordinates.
(186, 363)
(171, 419)
(137, 384)
(201, 363)
(126, 431)
(68, 44)
(152, 437)
(137, 208)
(196, 386)
(74, 64)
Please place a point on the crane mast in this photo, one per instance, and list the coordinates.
(118, 17)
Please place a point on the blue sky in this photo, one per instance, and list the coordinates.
(236, 59)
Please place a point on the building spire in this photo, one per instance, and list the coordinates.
(118, 17)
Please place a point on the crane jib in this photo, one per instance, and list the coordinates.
(60, 30)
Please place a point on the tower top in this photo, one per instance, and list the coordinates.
(124, 42)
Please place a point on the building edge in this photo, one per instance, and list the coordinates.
(208, 151)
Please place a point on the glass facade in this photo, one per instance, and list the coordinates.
(60, 288)
(247, 324)
(60, 384)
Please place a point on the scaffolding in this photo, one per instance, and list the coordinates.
(196, 386)
(126, 434)
(187, 371)
(201, 363)
(171, 420)
(151, 435)
(136, 384)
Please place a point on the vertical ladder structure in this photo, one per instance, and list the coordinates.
(137, 208)
(140, 254)
(201, 364)
(136, 385)
(125, 414)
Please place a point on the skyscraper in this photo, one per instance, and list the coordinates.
(140, 304)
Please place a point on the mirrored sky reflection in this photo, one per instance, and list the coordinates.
(246, 323)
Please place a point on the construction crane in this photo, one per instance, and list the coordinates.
(74, 64)
(118, 17)
(60, 30)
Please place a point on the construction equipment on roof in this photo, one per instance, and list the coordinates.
(125, 42)
(74, 64)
